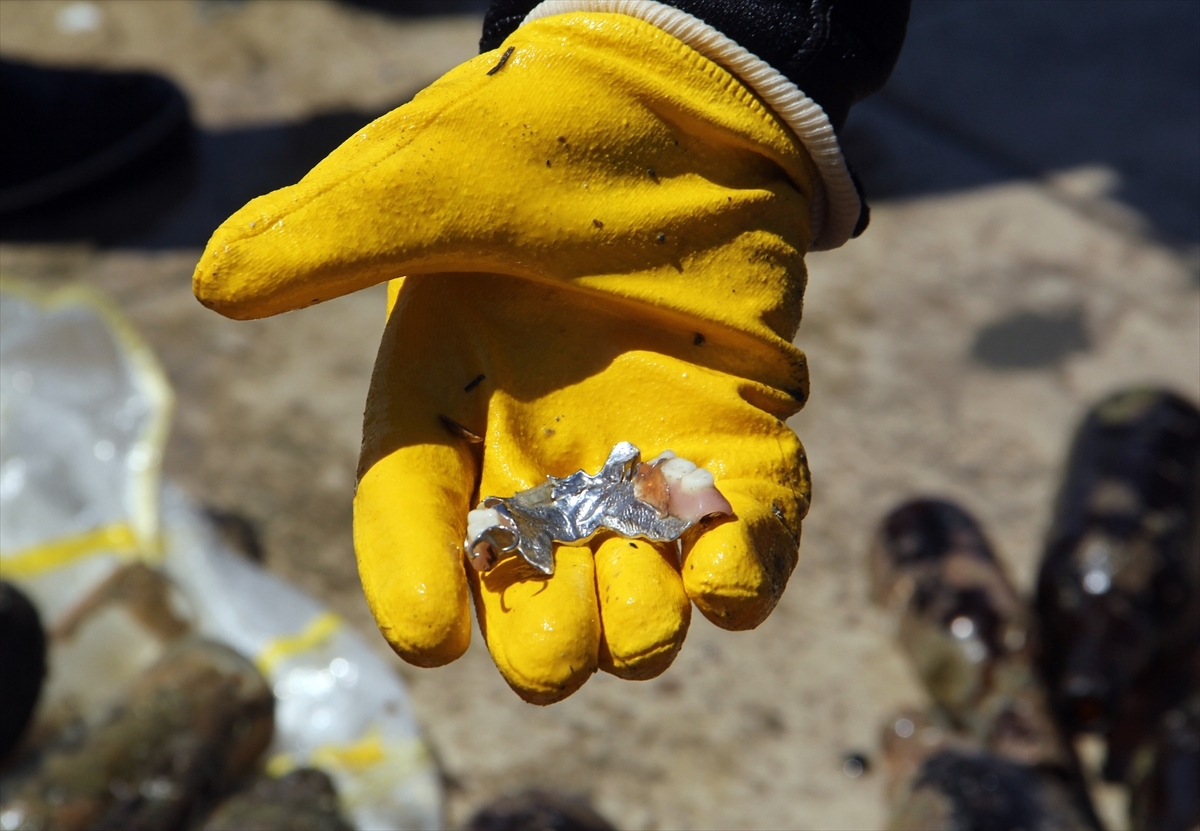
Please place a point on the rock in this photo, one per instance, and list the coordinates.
(189, 728)
(303, 800)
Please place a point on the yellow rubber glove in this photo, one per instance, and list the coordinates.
(603, 234)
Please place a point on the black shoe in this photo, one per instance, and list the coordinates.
(23, 656)
(67, 129)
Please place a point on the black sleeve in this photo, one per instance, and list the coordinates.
(836, 51)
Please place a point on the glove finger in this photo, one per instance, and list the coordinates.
(408, 514)
(416, 482)
(643, 608)
(544, 634)
(736, 570)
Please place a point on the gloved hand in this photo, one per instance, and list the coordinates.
(603, 234)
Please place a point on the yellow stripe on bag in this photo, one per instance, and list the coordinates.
(117, 538)
(316, 633)
(406, 756)
(357, 755)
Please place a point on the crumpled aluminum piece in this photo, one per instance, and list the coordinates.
(574, 509)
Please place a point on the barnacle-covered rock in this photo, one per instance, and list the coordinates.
(965, 629)
(1165, 768)
(538, 810)
(989, 752)
(127, 623)
(1119, 588)
(961, 791)
(188, 729)
(303, 800)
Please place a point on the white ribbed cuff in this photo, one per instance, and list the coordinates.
(836, 205)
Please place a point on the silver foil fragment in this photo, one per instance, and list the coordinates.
(574, 509)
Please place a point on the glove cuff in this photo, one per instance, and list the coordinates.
(836, 205)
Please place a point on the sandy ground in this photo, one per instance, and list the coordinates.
(913, 333)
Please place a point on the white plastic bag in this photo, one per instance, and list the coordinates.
(84, 413)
